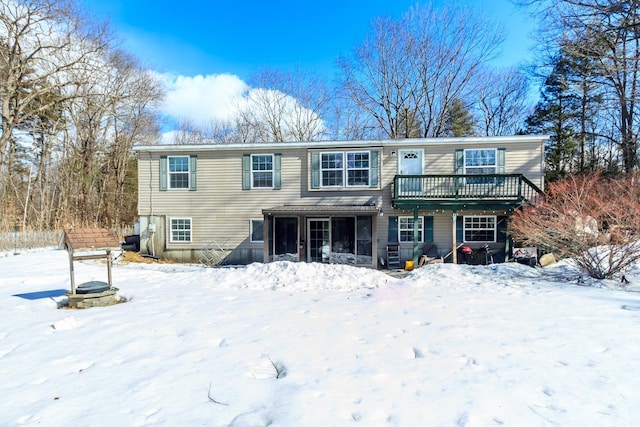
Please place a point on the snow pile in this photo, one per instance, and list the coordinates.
(288, 344)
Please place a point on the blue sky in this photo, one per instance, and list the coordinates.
(208, 49)
(238, 37)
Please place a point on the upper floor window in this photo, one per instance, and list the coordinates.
(344, 169)
(332, 167)
(478, 162)
(479, 228)
(358, 168)
(262, 170)
(178, 171)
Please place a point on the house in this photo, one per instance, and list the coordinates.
(334, 201)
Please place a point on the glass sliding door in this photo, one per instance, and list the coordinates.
(340, 240)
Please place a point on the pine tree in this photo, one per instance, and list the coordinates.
(458, 120)
(556, 115)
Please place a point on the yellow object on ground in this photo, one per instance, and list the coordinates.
(547, 259)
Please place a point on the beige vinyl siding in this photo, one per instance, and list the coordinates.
(220, 209)
(520, 157)
(526, 158)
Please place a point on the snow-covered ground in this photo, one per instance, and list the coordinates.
(287, 344)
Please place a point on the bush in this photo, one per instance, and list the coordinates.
(593, 220)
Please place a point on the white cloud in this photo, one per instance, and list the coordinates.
(199, 99)
(202, 98)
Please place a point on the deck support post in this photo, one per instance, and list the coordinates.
(454, 243)
(416, 236)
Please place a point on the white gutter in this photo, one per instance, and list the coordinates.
(408, 142)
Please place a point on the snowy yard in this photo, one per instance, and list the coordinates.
(447, 345)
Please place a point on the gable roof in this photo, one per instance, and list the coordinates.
(90, 239)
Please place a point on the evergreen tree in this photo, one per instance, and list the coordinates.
(556, 115)
(458, 120)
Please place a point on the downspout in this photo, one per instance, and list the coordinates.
(151, 230)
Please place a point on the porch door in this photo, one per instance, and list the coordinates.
(319, 240)
(285, 239)
(410, 162)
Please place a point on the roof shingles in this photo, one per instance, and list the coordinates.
(91, 239)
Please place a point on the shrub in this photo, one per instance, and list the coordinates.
(594, 220)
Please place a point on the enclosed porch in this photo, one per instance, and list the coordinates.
(321, 233)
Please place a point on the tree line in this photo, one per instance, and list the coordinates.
(73, 103)
(72, 106)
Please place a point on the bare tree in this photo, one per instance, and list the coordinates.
(189, 133)
(134, 95)
(416, 66)
(72, 107)
(502, 102)
(42, 42)
(380, 77)
(603, 34)
(284, 106)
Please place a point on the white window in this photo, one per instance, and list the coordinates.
(332, 169)
(180, 230)
(405, 229)
(354, 173)
(480, 162)
(262, 171)
(358, 169)
(480, 228)
(257, 230)
(178, 171)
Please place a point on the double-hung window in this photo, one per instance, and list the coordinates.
(480, 162)
(262, 171)
(178, 172)
(405, 229)
(358, 169)
(332, 169)
(180, 230)
(345, 169)
(479, 228)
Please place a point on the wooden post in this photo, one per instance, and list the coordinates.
(109, 268)
(71, 273)
(454, 243)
